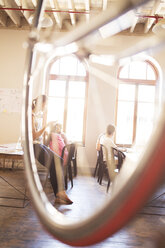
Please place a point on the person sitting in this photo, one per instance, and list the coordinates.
(106, 140)
(46, 156)
(58, 140)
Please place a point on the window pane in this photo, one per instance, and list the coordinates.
(68, 65)
(146, 93)
(75, 116)
(55, 68)
(126, 92)
(70, 92)
(55, 109)
(150, 73)
(124, 72)
(125, 115)
(81, 71)
(57, 88)
(144, 122)
(76, 89)
(138, 70)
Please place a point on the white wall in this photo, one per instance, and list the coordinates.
(159, 57)
(12, 61)
(101, 107)
(101, 95)
(101, 101)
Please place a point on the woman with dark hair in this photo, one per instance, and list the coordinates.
(46, 156)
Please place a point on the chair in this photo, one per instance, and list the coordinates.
(115, 153)
(106, 168)
(99, 162)
(101, 168)
(71, 160)
(120, 156)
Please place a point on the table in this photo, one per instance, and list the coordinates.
(11, 151)
(14, 152)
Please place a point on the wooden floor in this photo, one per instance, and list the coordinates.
(20, 227)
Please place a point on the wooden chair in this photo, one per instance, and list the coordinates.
(120, 157)
(117, 163)
(71, 164)
(101, 168)
(107, 168)
(99, 162)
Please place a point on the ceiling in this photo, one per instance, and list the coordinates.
(66, 14)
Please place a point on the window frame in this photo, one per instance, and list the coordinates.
(68, 78)
(135, 82)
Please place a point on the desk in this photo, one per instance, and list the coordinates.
(12, 152)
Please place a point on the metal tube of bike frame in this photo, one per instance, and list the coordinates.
(68, 232)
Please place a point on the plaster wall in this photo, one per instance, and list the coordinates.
(12, 61)
(101, 95)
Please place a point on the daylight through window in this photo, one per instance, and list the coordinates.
(136, 103)
(67, 94)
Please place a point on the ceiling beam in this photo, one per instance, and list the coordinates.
(57, 15)
(34, 2)
(3, 18)
(87, 8)
(18, 2)
(71, 6)
(27, 5)
(156, 8)
(135, 20)
(14, 15)
(105, 3)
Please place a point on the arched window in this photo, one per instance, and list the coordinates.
(135, 103)
(67, 96)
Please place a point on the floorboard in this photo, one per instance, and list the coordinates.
(20, 227)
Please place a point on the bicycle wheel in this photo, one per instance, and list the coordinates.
(130, 190)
